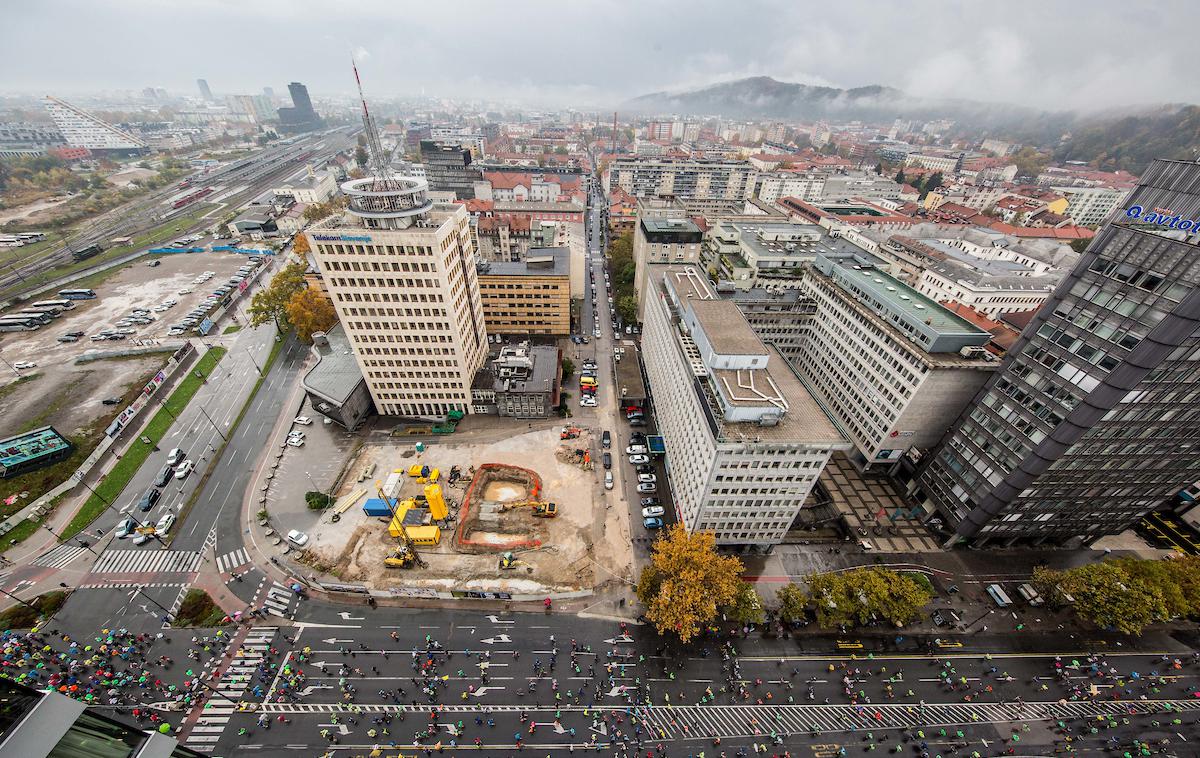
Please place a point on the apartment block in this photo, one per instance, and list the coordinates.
(1093, 420)
(1091, 206)
(401, 273)
(532, 296)
(682, 177)
(745, 253)
(81, 129)
(744, 441)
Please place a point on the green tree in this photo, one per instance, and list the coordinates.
(793, 603)
(627, 309)
(568, 367)
(746, 607)
(858, 597)
(933, 182)
(271, 302)
(686, 582)
(360, 156)
(1108, 595)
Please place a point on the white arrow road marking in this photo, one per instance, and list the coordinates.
(341, 728)
(479, 691)
(622, 638)
(335, 641)
(347, 617)
(498, 620)
(497, 638)
(618, 690)
(313, 687)
(602, 730)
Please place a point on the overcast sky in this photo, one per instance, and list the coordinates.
(1071, 54)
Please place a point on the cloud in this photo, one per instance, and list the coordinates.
(594, 53)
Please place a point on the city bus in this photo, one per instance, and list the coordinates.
(66, 305)
(18, 324)
(42, 316)
(77, 294)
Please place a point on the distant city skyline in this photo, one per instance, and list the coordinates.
(594, 54)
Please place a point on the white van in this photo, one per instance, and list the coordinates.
(1030, 594)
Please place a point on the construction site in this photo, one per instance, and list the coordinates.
(520, 514)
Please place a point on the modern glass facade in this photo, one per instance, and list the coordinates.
(1094, 418)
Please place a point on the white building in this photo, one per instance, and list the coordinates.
(663, 234)
(744, 441)
(401, 274)
(991, 272)
(682, 177)
(81, 129)
(806, 186)
(1090, 206)
(309, 188)
(892, 367)
(933, 162)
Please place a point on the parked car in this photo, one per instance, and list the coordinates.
(297, 538)
(636, 459)
(607, 460)
(68, 338)
(588, 401)
(652, 511)
(606, 439)
(302, 420)
(635, 450)
(647, 501)
(184, 469)
(165, 523)
(647, 478)
(608, 480)
(647, 488)
(111, 401)
(295, 441)
(652, 523)
(24, 364)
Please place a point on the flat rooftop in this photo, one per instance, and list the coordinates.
(897, 296)
(726, 328)
(539, 261)
(336, 374)
(627, 374)
(670, 225)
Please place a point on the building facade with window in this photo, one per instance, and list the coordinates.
(532, 296)
(1094, 418)
(401, 273)
(668, 238)
(682, 177)
(744, 441)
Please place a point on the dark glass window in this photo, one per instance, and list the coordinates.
(93, 736)
(15, 704)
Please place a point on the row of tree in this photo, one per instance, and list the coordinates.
(1127, 594)
(620, 253)
(687, 587)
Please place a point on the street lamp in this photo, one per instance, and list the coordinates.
(82, 544)
(256, 368)
(216, 428)
(22, 602)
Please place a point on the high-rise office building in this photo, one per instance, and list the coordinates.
(449, 169)
(1093, 419)
(745, 441)
(269, 91)
(205, 92)
(81, 129)
(301, 116)
(401, 274)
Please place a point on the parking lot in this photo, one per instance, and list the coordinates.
(58, 390)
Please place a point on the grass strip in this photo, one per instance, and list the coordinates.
(111, 487)
(22, 616)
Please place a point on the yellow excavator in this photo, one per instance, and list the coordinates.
(402, 558)
(509, 562)
(540, 510)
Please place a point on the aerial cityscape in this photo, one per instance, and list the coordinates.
(654, 380)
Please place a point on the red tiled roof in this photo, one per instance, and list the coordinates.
(1003, 335)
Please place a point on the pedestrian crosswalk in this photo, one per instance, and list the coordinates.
(233, 560)
(60, 556)
(137, 561)
(233, 684)
(279, 597)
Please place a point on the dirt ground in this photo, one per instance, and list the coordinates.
(69, 395)
(355, 546)
(33, 212)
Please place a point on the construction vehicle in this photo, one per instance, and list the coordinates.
(508, 562)
(402, 558)
(540, 510)
(569, 432)
(406, 542)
